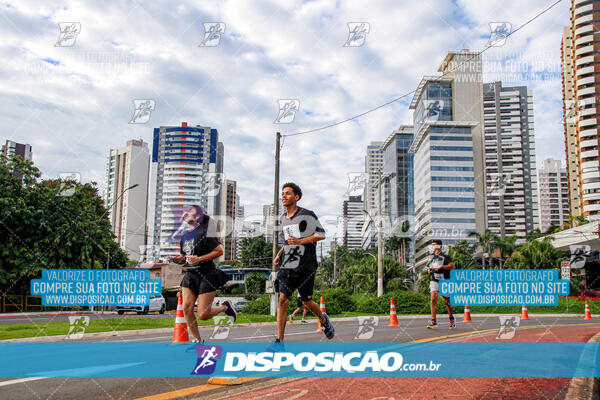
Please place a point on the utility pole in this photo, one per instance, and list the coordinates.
(335, 260)
(379, 240)
(274, 301)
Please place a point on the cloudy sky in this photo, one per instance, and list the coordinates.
(74, 103)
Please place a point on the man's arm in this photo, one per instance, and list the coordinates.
(450, 265)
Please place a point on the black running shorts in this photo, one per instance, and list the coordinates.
(203, 282)
(290, 280)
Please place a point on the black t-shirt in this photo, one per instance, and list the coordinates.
(302, 224)
(438, 261)
(196, 243)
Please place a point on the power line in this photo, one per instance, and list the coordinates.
(413, 91)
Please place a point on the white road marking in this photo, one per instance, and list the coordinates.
(22, 380)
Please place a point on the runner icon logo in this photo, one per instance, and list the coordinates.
(366, 327)
(77, 325)
(221, 329)
(508, 326)
(207, 359)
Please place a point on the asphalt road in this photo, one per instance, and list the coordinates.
(412, 329)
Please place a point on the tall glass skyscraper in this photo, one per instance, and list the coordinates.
(187, 169)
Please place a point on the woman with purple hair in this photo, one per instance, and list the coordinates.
(199, 247)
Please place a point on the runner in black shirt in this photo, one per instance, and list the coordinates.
(201, 280)
(440, 267)
(297, 259)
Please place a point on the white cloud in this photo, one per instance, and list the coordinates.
(72, 113)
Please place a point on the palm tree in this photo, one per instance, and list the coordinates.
(507, 247)
(487, 242)
(537, 254)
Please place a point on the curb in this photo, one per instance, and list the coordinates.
(587, 388)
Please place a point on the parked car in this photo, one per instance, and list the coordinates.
(157, 303)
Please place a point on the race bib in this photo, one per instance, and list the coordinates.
(438, 276)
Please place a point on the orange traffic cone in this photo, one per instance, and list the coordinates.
(524, 314)
(180, 335)
(588, 314)
(322, 306)
(467, 315)
(393, 316)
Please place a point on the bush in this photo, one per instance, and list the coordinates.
(260, 305)
(337, 301)
(367, 304)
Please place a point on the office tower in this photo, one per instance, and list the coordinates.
(353, 219)
(187, 169)
(373, 165)
(227, 218)
(398, 197)
(553, 194)
(11, 148)
(125, 167)
(510, 167)
(580, 43)
(447, 148)
(398, 172)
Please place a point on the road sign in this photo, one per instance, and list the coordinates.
(565, 270)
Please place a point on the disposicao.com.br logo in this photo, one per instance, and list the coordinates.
(351, 362)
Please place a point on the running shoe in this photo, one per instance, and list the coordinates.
(291, 318)
(276, 346)
(230, 310)
(304, 321)
(327, 327)
(452, 326)
(432, 324)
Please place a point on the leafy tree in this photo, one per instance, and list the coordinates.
(50, 224)
(255, 283)
(462, 255)
(256, 252)
(537, 254)
(533, 235)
